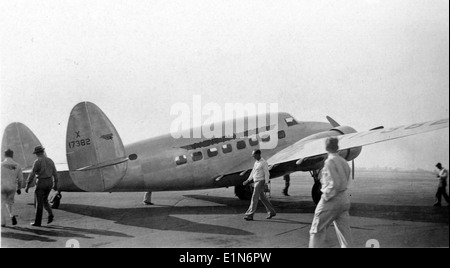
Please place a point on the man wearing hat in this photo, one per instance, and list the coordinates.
(442, 188)
(334, 204)
(12, 178)
(44, 171)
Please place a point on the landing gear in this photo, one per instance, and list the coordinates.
(315, 192)
(243, 192)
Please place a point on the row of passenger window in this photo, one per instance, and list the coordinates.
(227, 148)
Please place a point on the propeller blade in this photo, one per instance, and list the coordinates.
(332, 122)
(353, 169)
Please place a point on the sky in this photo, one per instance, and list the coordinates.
(365, 63)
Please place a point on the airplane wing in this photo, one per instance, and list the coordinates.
(311, 148)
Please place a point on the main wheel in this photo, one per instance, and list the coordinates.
(315, 192)
(243, 192)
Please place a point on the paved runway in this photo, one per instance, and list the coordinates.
(393, 208)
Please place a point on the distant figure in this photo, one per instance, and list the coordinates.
(12, 178)
(442, 188)
(260, 176)
(43, 169)
(287, 183)
(334, 204)
(148, 199)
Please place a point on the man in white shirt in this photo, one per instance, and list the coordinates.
(442, 188)
(334, 205)
(260, 176)
(12, 178)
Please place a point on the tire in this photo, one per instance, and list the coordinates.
(243, 192)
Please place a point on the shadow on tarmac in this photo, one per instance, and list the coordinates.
(41, 233)
(156, 217)
(387, 212)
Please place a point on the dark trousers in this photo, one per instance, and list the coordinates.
(287, 183)
(442, 191)
(41, 193)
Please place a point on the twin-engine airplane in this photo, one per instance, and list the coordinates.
(97, 160)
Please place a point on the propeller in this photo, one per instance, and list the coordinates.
(336, 124)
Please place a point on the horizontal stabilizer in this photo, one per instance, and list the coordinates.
(105, 164)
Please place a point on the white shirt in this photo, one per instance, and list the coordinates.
(335, 176)
(443, 174)
(260, 171)
(12, 176)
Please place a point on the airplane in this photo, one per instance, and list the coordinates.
(97, 160)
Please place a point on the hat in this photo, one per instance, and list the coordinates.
(38, 149)
(331, 144)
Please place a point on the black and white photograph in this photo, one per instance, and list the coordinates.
(241, 126)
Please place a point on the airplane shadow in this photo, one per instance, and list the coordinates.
(387, 212)
(158, 218)
(163, 217)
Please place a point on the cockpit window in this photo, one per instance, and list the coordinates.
(180, 160)
(290, 121)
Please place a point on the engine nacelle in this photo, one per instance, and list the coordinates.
(347, 154)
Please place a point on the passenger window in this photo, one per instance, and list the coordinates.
(227, 148)
(281, 134)
(253, 141)
(180, 160)
(265, 138)
(290, 121)
(212, 152)
(197, 156)
(241, 145)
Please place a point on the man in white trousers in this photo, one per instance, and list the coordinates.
(334, 204)
(12, 178)
(260, 176)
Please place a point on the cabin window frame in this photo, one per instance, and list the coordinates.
(211, 153)
(253, 141)
(240, 147)
(227, 148)
(194, 156)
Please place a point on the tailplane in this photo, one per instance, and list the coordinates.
(95, 152)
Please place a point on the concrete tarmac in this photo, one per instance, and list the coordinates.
(395, 208)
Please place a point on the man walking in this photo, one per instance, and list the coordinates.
(334, 204)
(442, 187)
(46, 178)
(12, 178)
(260, 176)
(147, 199)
